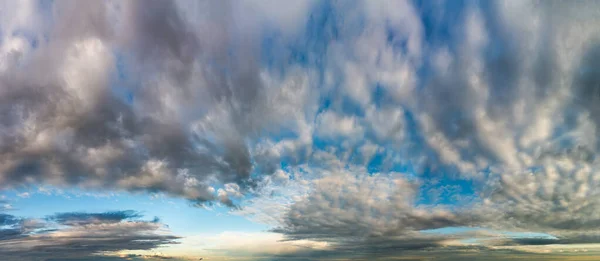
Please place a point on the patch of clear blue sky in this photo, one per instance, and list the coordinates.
(181, 217)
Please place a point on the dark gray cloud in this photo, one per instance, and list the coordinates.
(374, 216)
(79, 235)
(81, 218)
(7, 220)
(11, 228)
(368, 207)
(134, 257)
(133, 96)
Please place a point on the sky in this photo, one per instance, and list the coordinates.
(299, 130)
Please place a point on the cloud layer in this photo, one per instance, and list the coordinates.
(355, 123)
(73, 235)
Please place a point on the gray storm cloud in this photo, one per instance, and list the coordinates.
(172, 121)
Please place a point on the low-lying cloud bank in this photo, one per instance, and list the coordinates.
(76, 236)
(344, 122)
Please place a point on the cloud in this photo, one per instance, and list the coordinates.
(332, 125)
(78, 235)
(361, 207)
(24, 195)
(375, 214)
(355, 122)
(495, 110)
(79, 219)
(133, 97)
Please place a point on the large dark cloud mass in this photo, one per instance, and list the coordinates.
(127, 95)
(357, 123)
